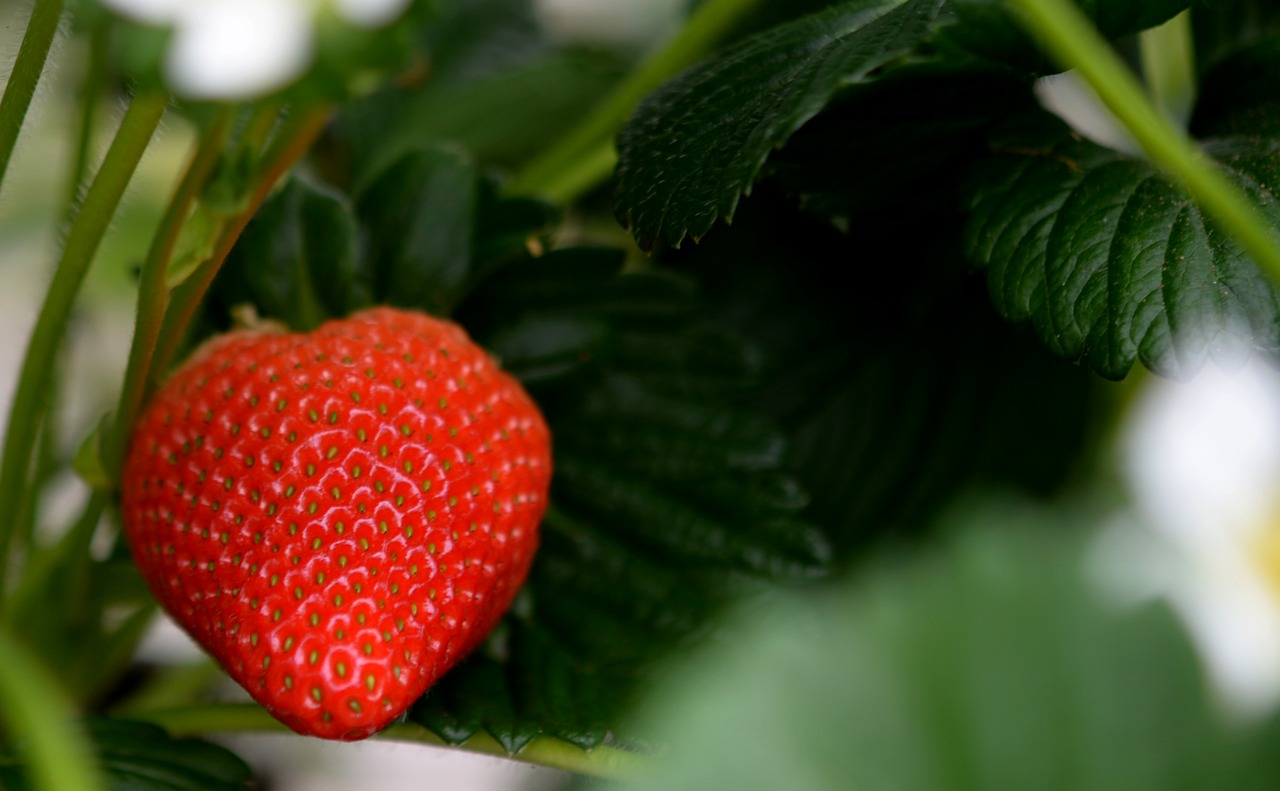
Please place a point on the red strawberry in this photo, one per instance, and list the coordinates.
(338, 517)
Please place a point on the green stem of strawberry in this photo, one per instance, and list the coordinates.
(131, 140)
(26, 73)
(609, 763)
(291, 142)
(96, 73)
(35, 711)
(585, 156)
(153, 294)
(1075, 43)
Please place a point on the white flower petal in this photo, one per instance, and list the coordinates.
(1203, 457)
(371, 13)
(239, 49)
(1235, 622)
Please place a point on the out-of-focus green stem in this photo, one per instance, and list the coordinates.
(153, 294)
(1070, 38)
(35, 711)
(573, 166)
(603, 762)
(292, 141)
(26, 74)
(86, 233)
(91, 90)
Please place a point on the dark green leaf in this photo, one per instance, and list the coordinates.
(697, 144)
(297, 260)
(1235, 98)
(894, 384)
(500, 120)
(896, 141)
(989, 665)
(1109, 259)
(1225, 27)
(136, 756)
(419, 217)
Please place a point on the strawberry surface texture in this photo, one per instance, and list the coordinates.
(339, 516)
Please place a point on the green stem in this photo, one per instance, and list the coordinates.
(86, 233)
(95, 80)
(36, 712)
(1070, 38)
(289, 145)
(603, 762)
(573, 166)
(41, 29)
(55, 566)
(153, 294)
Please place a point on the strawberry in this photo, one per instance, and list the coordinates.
(338, 517)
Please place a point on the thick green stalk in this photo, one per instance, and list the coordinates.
(291, 142)
(603, 762)
(1070, 38)
(86, 233)
(36, 712)
(41, 29)
(574, 164)
(153, 293)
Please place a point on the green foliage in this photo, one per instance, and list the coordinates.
(695, 146)
(921, 285)
(135, 756)
(1109, 259)
(989, 663)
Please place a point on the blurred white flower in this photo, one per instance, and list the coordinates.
(1202, 460)
(243, 49)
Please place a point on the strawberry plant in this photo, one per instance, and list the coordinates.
(805, 394)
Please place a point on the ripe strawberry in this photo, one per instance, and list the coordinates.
(338, 517)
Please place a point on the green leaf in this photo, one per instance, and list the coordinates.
(1234, 99)
(988, 663)
(297, 260)
(419, 215)
(135, 756)
(697, 144)
(898, 141)
(501, 119)
(1110, 261)
(893, 380)
(88, 462)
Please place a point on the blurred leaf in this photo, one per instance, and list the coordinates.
(501, 119)
(1225, 27)
(894, 384)
(298, 259)
(88, 463)
(898, 141)
(988, 664)
(1234, 97)
(419, 215)
(138, 757)
(1109, 259)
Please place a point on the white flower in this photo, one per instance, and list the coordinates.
(242, 49)
(1202, 460)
